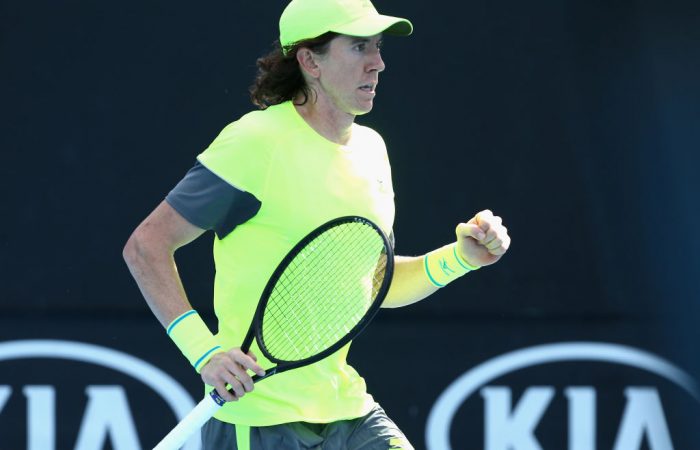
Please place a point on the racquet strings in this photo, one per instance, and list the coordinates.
(324, 292)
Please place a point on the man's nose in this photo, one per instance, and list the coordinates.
(376, 63)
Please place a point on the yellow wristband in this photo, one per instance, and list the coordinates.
(445, 265)
(193, 338)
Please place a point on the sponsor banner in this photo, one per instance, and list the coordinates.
(547, 384)
(580, 415)
(87, 383)
(110, 390)
(91, 383)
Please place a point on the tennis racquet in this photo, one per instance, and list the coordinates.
(320, 297)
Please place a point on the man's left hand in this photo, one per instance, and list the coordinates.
(483, 239)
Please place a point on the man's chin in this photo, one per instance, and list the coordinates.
(364, 109)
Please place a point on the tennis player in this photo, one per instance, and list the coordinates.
(266, 181)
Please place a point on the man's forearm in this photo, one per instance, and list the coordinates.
(156, 275)
(410, 284)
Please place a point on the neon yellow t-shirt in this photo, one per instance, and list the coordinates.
(303, 180)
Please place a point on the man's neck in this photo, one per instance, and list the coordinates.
(325, 119)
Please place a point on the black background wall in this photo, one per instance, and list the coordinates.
(578, 122)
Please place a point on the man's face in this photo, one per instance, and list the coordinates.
(349, 73)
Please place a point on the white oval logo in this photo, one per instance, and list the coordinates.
(164, 385)
(442, 414)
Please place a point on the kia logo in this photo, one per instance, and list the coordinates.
(107, 414)
(512, 427)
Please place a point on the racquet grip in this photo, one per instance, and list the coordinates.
(189, 425)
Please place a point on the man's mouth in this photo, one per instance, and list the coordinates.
(368, 87)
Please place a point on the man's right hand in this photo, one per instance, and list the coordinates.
(231, 368)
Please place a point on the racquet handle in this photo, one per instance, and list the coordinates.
(196, 418)
(192, 422)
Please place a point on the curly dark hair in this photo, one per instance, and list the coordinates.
(279, 76)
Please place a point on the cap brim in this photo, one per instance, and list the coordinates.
(375, 24)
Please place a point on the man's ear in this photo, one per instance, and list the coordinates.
(307, 62)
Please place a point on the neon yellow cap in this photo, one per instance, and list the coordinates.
(307, 19)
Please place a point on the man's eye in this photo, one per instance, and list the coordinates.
(360, 47)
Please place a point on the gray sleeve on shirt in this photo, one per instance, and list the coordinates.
(208, 202)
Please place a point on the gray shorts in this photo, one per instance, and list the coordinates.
(375, 431)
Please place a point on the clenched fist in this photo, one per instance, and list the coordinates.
(483, 239)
